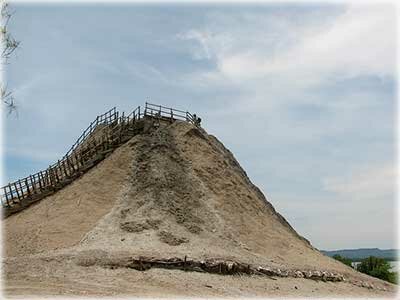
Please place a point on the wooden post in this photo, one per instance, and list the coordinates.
(11, 195)
(51, 177)
(56, 172)
(47, 177)
(35, 182)
(67, 168)
(83, 155)
(81, 159)
(74, 160)
(5, 194)
(27, 187)
(30, 185)
(120, 135)
(40, 176)
(40, 180)
(16, 190)
(59, 171)
(77, 160)
(89, 152)
(63, 168)
(44, 179)
(71, 165)
(21, 189)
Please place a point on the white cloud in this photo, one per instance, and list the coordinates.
(360, 41)
(329, 223)
(272, 61)
(202, 38)
(371, 182)
(362, 200)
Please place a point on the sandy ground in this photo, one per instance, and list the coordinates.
(62, 277)
(173, 192)
(166, 283)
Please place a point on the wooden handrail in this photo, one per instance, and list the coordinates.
(84, 153)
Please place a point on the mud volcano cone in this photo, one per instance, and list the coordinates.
(172, 197)
(185, 194)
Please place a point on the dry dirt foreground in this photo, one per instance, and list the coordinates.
(173, 191)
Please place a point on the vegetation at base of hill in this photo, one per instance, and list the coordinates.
(379, 268)
(373, 266)
(342, 259)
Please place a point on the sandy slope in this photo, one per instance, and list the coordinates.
(62, 219)
(176, 191)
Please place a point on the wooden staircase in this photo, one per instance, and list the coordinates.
(106, 133)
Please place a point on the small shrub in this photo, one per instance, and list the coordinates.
(377, 267)
(342, 259)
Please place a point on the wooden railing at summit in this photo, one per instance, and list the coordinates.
(107, 132)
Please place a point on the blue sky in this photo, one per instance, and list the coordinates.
(304, 95)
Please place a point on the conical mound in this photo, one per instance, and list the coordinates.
(172, 191)
(187, 195)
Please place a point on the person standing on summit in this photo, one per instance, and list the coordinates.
(197, 120)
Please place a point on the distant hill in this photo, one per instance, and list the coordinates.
(356, 254)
